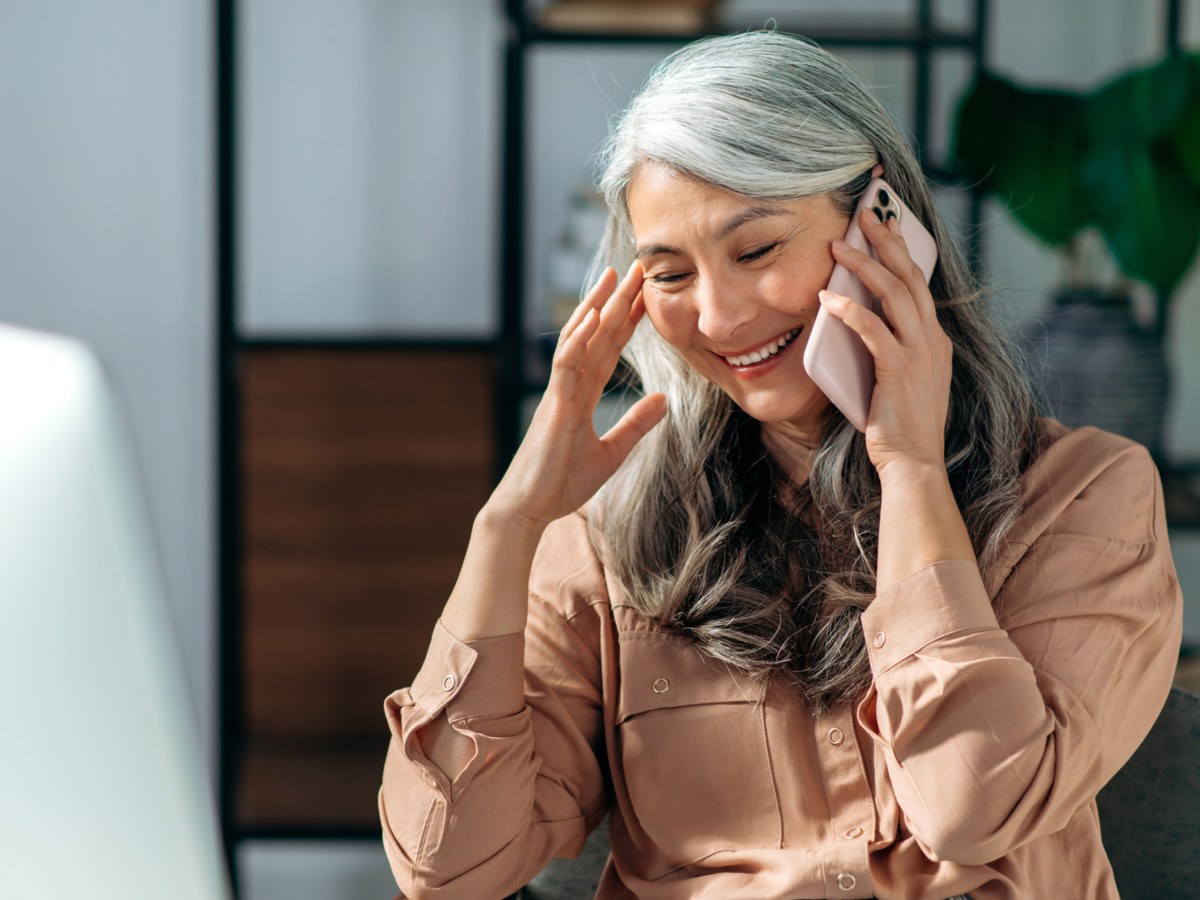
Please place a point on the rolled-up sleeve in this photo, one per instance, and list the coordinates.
(533, 787)
(999, 719)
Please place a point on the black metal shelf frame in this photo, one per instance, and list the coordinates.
(228, 537)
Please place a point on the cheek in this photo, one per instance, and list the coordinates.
(795, 287)
(669, 317)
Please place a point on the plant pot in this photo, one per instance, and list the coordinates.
(1092, 363)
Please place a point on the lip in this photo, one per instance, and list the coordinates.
(766, 343)
(758, 369)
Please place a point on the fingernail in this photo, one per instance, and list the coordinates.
(831, 297)
(840, 245)
(632, 266)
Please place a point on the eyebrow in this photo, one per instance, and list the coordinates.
(748, 215)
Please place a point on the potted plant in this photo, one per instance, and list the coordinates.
(1111, 180)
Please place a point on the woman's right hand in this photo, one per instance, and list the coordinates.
(562, 462)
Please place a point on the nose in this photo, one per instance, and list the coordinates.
(721, 309)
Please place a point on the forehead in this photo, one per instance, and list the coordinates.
(667, 205)
(656, 190)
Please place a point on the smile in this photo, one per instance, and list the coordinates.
(763, 353)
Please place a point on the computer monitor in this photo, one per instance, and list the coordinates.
(103, 787)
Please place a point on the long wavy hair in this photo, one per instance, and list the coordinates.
(700, 527)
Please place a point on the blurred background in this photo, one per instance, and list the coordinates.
(321, 244)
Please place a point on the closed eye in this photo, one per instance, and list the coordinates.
(759, 253)
(668, 279)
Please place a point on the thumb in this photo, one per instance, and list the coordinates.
(633, 426)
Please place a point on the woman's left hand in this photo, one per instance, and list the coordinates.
(907, 420)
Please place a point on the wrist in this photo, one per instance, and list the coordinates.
(920, 522)
(497, 519)
(920, 474)
(490, 597)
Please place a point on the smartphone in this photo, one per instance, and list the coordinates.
(836, 358)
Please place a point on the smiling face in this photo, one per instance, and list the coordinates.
(732, 282)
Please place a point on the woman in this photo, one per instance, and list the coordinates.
(787, 659)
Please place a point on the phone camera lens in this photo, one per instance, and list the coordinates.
(884, 199)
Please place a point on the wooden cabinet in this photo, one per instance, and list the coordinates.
(361, 473)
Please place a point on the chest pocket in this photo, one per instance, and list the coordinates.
(693, 752)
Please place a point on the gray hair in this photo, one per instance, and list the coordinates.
(699, 526)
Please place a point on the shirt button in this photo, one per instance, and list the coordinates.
(880, 639)
(449, 682)
(661, 685)
(854, 832)
(846, 881)
(836, 736)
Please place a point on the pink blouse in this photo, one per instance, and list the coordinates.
(1002, 702)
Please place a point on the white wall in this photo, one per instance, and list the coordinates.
(369, 168)
(105, 193)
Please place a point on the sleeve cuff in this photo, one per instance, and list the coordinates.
(941, 599)
(485, 677)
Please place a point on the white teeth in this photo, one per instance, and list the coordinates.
(754, 356)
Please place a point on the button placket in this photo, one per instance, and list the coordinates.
(850, 801)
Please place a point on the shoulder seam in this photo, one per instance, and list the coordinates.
(594, 600)
(590, 601)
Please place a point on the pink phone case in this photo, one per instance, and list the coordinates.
(835, 357)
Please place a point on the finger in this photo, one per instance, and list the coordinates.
(569, 354)
(616, 308)
(596, 352)
(614, 332)
(888, 240)
(633, 426)
(898, 304)
(866, 324)
(604, 351)
(891, 253)
(594, 299)
(636, 311)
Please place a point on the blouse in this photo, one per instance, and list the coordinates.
(1002, 700)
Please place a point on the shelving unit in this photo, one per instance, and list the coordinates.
(319, 483)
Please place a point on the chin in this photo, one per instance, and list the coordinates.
(808, 412)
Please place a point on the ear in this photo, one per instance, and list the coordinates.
(877, 172)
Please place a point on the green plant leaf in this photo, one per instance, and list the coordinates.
(1143, 105)
(1185, 136)
(1148, 209)
(1026, 145)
